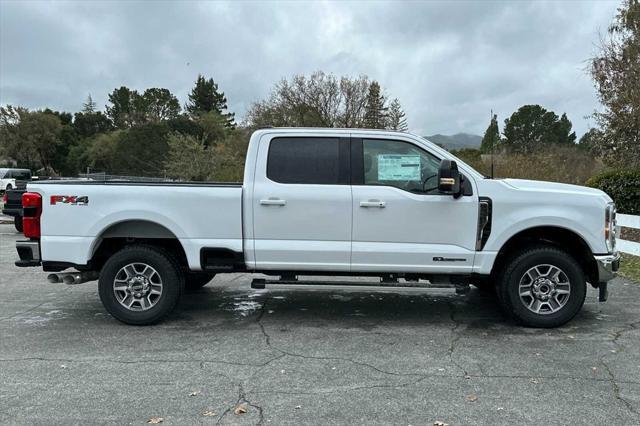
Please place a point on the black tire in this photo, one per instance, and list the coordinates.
(196, 280)
(515, 269)
(168, 270)
(17, 222)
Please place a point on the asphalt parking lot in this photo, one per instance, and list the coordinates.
(319, 356)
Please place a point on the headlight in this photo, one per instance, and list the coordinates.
(610, 227)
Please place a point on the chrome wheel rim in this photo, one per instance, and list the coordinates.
(544, 289)
(137, 287)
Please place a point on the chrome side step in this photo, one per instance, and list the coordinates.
(261, 283)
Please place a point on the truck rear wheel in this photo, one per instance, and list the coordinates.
(542, 287)
(17, 222)
(140, 285)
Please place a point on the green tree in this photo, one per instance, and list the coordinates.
(206, 97)
(592, 142)
(87, 124)
(616, 74)
(158, 104)
(491, 137)
(189, 158)
(532, 127)
(101, 151)
(30, 137)
(375, 116)
(89, 106)
(396, 118)
(142, 150)
(122, 111)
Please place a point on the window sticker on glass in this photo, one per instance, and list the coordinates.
(398, 167)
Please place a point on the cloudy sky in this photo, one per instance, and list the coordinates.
(449, 63)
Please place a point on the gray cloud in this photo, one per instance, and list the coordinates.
(450, 63)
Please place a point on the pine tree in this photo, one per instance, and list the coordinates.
(491, 136)
(205, 97)
(89, 106)
(375, 116)
(396, 119)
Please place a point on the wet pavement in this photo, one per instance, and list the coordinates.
(310, 356)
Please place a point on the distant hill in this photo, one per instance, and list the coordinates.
(457, 141)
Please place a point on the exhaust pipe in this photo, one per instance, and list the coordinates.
(71, 278)
(54, 278)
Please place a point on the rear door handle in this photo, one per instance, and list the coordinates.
(373, 203)
(273, 202)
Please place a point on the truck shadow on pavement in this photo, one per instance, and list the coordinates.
(349, 308)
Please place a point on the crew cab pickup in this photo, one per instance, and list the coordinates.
(328, 202)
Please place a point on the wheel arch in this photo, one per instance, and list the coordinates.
(557, 236)
(134, 231)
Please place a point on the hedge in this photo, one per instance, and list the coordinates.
(621, 185)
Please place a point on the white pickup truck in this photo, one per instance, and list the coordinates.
(328, 202)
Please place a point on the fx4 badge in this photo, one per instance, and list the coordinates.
(449, 259)
(74, 200)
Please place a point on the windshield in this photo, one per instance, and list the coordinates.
(21, 174)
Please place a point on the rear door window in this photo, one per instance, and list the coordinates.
(305, 160)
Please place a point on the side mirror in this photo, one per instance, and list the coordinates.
(449, 178)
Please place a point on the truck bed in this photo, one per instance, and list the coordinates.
(198, 214)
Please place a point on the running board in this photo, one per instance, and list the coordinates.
(261, 283)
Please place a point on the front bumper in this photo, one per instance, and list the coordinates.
(608, 266)
(29, 252)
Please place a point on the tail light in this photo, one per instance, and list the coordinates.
(5, 198)
(31, 212)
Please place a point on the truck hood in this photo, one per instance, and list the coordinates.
(541, 186)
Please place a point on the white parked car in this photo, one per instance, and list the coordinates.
(329, 202)
(8, 178)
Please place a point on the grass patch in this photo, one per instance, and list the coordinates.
(630, 267)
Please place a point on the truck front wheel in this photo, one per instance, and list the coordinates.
(140, 284)
(542, 286)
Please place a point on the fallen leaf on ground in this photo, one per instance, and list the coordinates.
(439, 423)
(535, 381)
(209, 413)
(241, 408)
(194, 393)
(500, 408)
(298, 407)
(472, 398)
(155, 420)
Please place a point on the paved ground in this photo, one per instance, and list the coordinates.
(310, 357)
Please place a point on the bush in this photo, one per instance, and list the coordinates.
(621, 185)
(556, 163)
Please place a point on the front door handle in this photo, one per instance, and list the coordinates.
(273, 202)
(373, 203)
